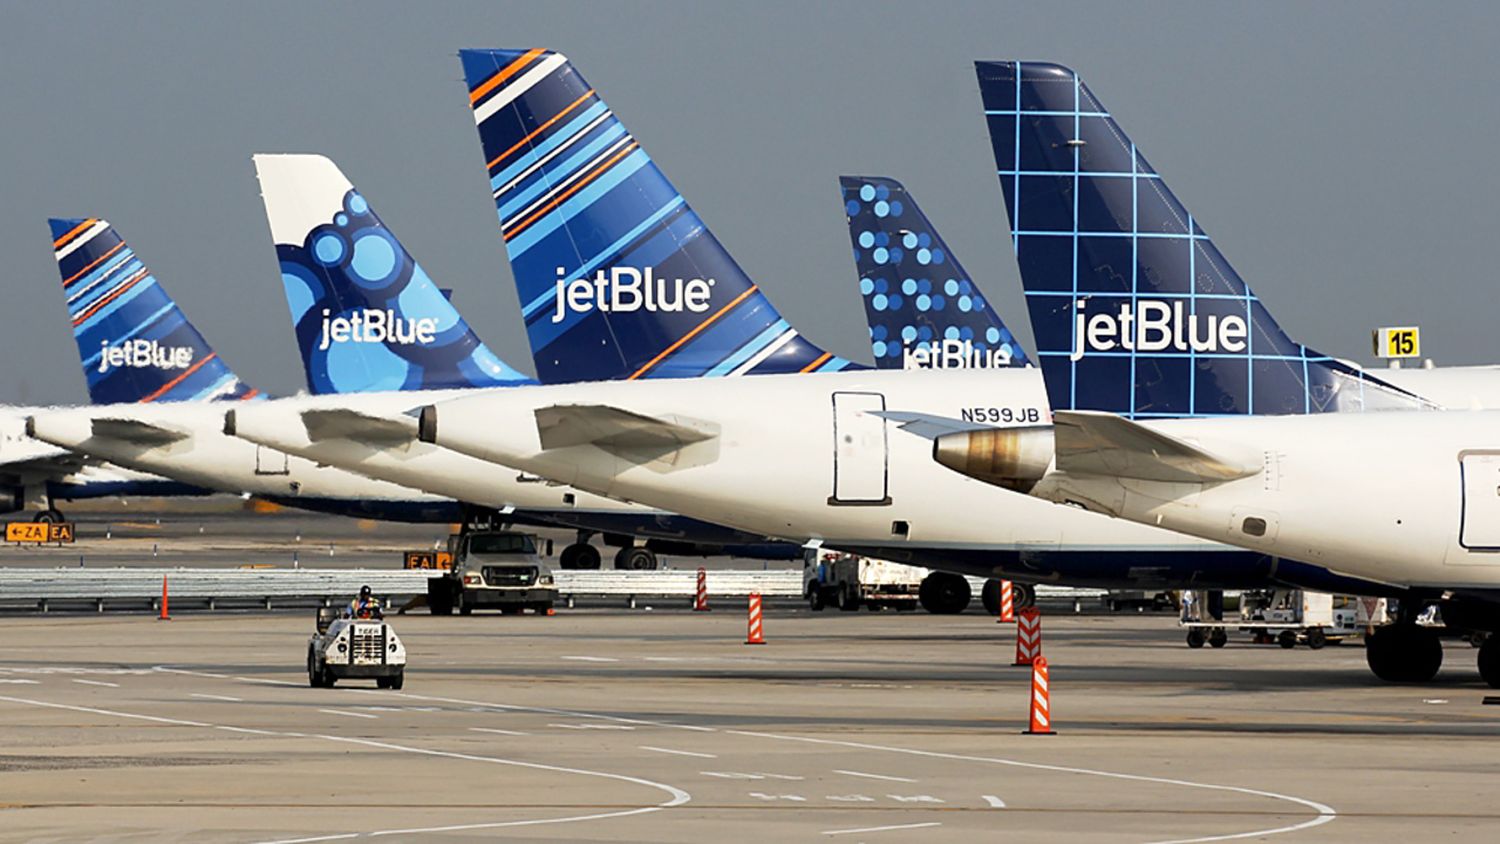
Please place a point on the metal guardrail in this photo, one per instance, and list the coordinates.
(40, 587)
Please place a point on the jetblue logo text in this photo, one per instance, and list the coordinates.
(371, 326)
(143, 354)
(626, 289)
(953, 354)
(1155, 326)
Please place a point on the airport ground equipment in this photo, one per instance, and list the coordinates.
(353, 649)
(755, 632)
(700, 597)
(492, 569)
(1139, 600)
(1284, 616)
(1041, 700)
(851, 581)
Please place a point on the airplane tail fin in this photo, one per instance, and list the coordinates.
(618, 277)
(136, 345)
(367, 316)
(924, 311)
(1134, 309)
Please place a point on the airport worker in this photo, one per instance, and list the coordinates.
(365, 606)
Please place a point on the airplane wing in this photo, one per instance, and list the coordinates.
(1093, 443)
(135, 431)
(614, 429)
(341, 423)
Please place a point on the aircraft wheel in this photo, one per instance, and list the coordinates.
(49, 515)
(579, 555)
(1489, 661)
(943, 593)
(1404, 653)
(635, 559)
(990, 596)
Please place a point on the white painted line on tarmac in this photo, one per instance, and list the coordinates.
(995, 802)
(217, 697)
(22, 682)
(591, 658)
(592, 726)
(348, 713)
(882, 828)
(676, 796)
(678, 752)
(246, 730)
(98, 683)
(499, 732)
(1325, 813)
(885, 777)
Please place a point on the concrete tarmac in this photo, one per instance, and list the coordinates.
(664, 726)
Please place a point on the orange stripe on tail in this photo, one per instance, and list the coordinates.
(691, 334)
(179, 379)
(505, 73)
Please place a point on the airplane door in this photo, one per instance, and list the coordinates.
(269, 461)
(1479, 528)
(860, 451)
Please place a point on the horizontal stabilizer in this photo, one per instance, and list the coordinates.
(613, 429)
(341, 423)
(136, 431)
(928, 426)
(1093, 443)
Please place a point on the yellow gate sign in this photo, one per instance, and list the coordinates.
(39, 532)
(1398, 342)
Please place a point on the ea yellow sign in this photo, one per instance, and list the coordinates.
(1398, 342)
(39, 532)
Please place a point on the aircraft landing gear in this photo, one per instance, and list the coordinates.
(579, 555)
(50, 515)
(1489, 661)
(635, 558)
(1406, 653)
(943, 593)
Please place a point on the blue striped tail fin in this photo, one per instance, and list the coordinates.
(618, 277)
(1134, 309)
(923, 309)
(136, 345)
(366, 315)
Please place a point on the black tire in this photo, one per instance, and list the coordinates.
(1404, 653)
(848, 598)
(1287, 639)
(943, 593)
(1024, 595)
(398, 680)
(1217, 638)
(1316, 638)
(1196, 637)
(568, 559)
(439, 597)
(815, 600)
(49, 515)
(1489, 661)
(464, 607)
(314, 677)
(579, 555)
(635, 559)
(990, 596)
(382, 682)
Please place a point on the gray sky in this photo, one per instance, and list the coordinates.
(1340, 154)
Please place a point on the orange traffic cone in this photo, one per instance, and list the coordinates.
(1041, 700)
(755, 636)
(164, 616)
